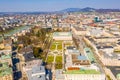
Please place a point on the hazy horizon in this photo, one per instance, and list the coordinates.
(54, 5)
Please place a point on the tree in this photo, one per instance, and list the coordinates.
(38, 34)
(37, 51)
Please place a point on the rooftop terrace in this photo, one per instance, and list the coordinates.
(90, 54)
(56, 34)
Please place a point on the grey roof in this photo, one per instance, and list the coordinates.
(28, 56)
(107, 47)
(32, 63)
(41, 77)
(59, 74)
(103, 47)
(118, 43)
(82, 58)
(38, 77)
(74, 51)
(95, 31)
(112, 55)
(70, 47)
(36, 70)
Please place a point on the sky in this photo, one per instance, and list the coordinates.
(54, 5)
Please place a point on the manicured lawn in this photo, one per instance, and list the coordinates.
(58, 59)
(50, 59)
(59, 47)
(53, 47)
(58, 44)
(58, 66)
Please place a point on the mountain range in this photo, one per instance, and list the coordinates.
(88, 9)
(68, 10)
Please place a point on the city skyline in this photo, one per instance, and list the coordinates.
(54, 5)
(59, 40)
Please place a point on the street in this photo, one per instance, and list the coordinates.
(16, 65)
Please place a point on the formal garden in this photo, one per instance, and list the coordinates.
(56, 45)
(58, 64)
(50, 59)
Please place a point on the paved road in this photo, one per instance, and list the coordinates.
(53, 67)
(83, 45)
(48, 46)
(16, 64)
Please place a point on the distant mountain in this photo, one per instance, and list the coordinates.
(108, 10)
(88, 9)
(70, 10)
